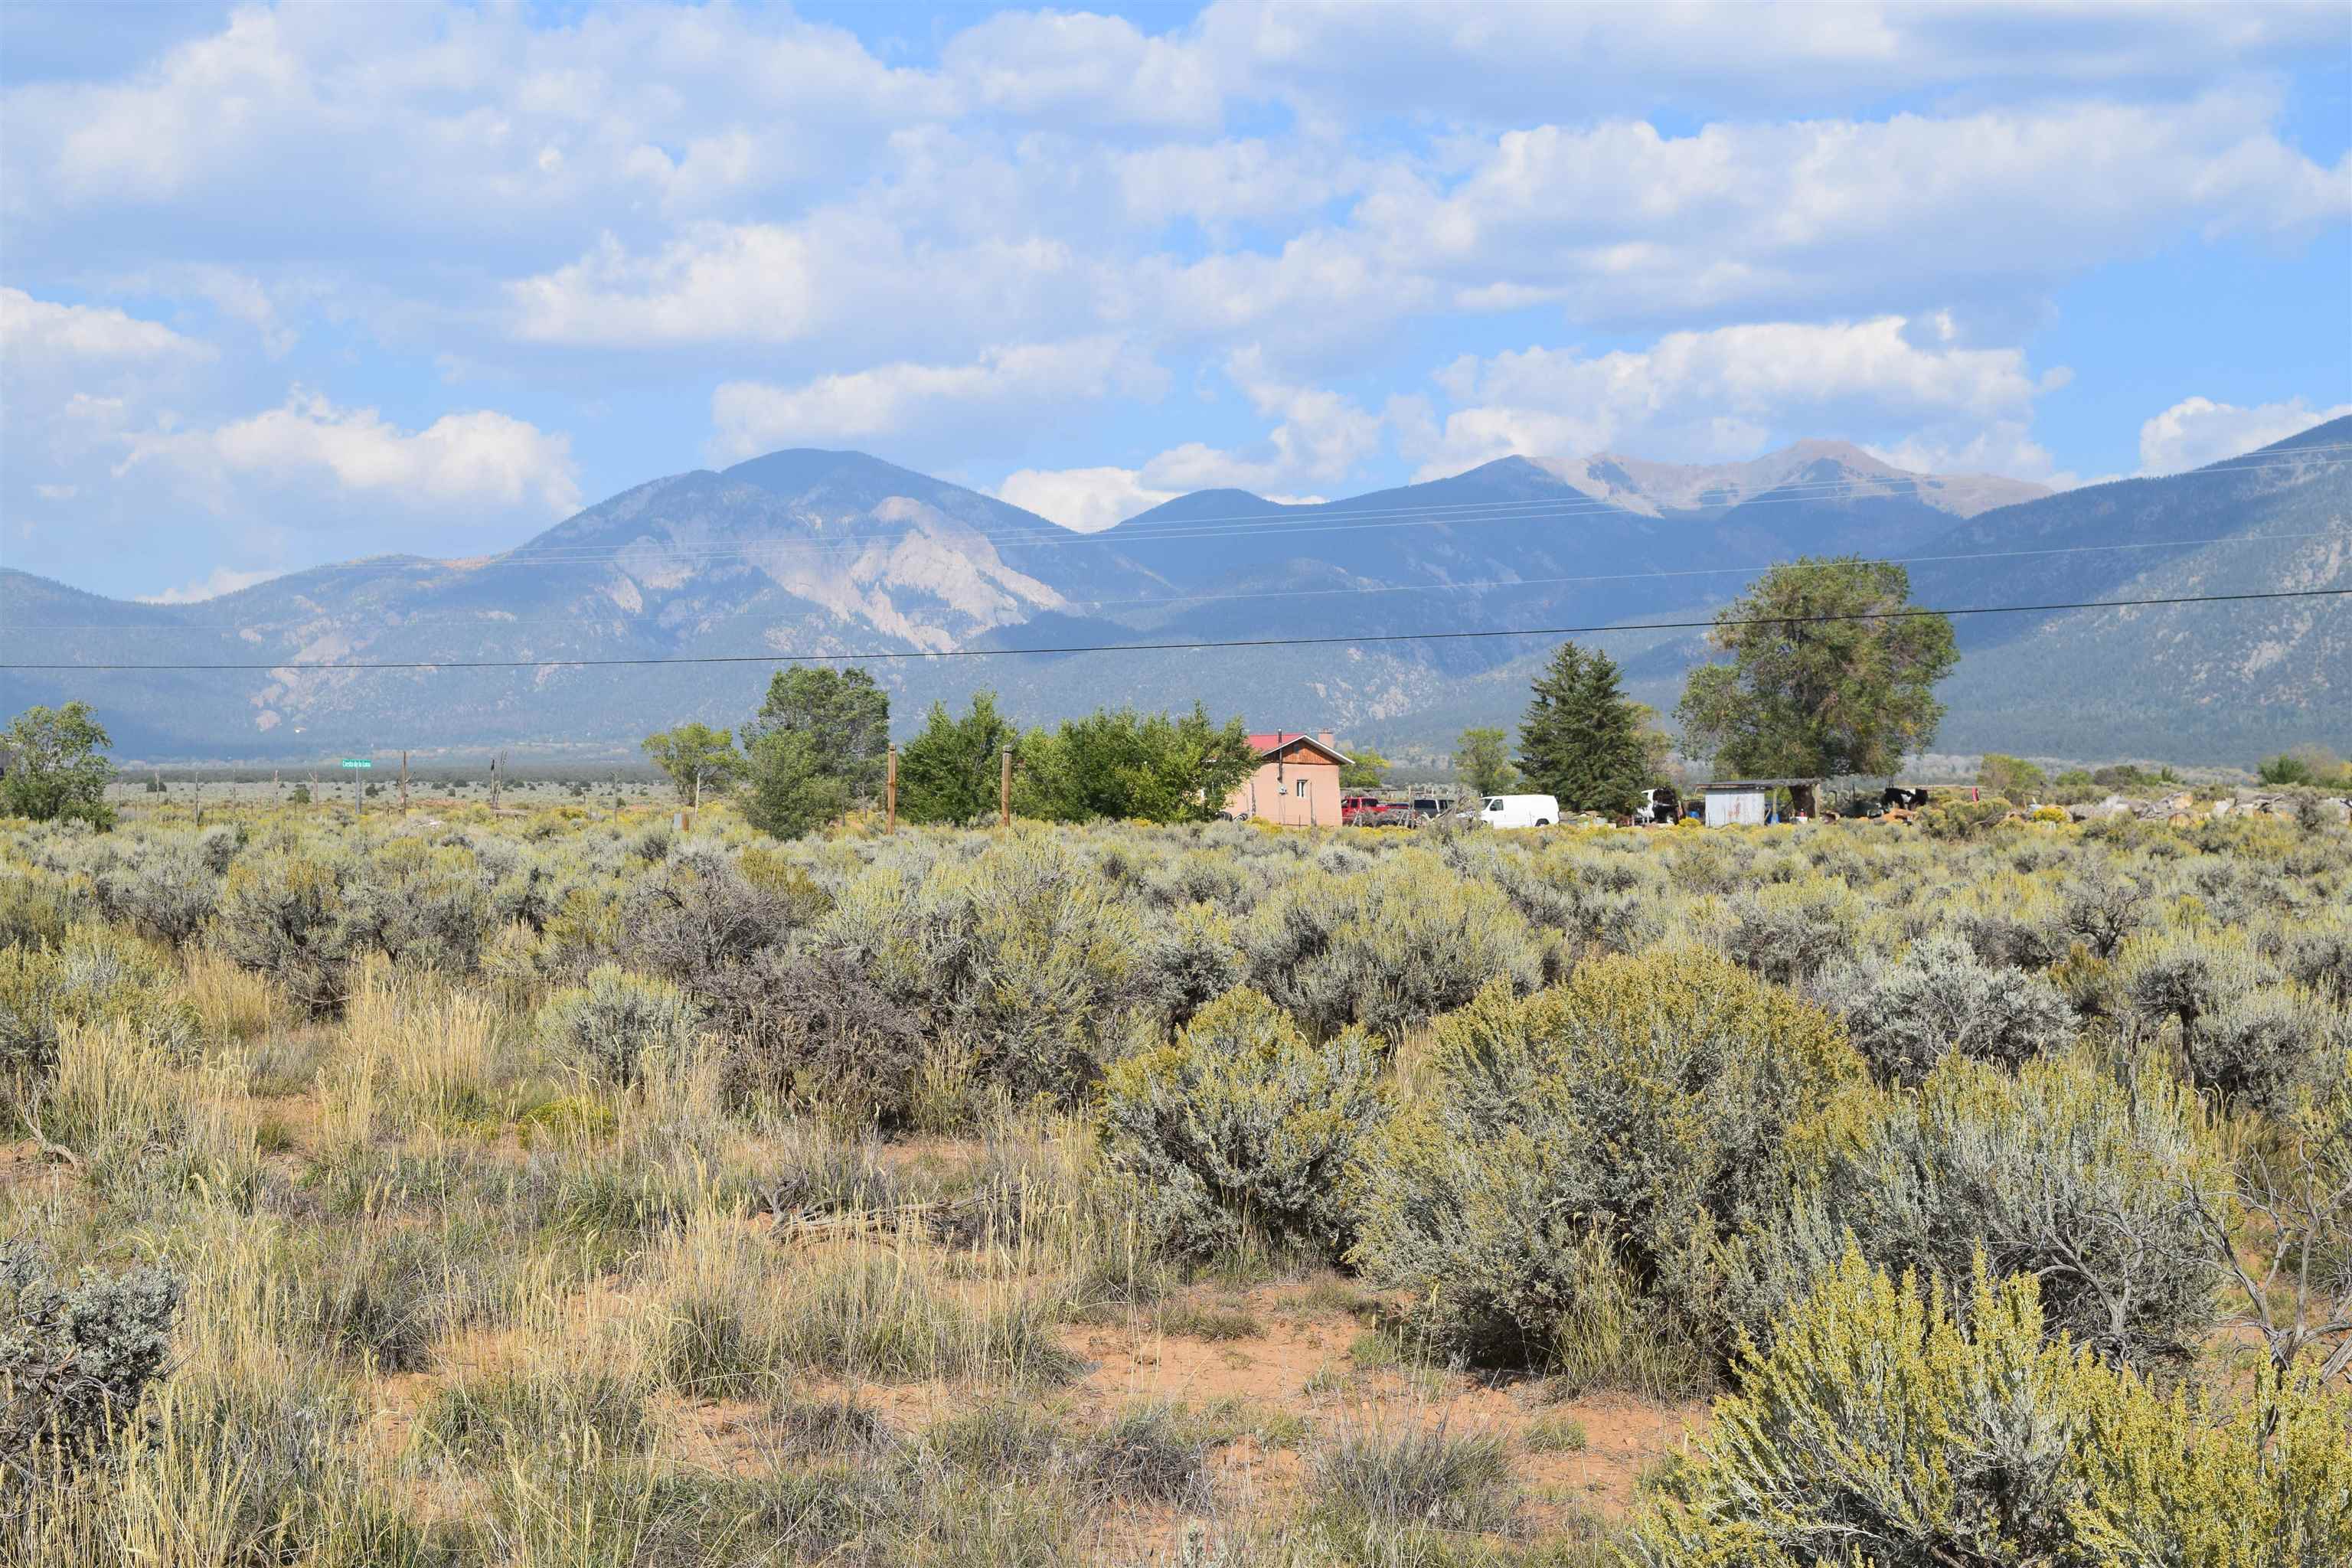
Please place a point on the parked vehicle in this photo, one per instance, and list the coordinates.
(1658, 805)
(1364, 811)
(1519, 811)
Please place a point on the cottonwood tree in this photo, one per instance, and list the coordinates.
(2012, 778)
(1366, 769)
(1832, 672)
(696, 757)
(1482, 757)
(55, 772)
(1119, 764)
(1581, 738)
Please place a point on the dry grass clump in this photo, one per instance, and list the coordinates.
(540, 1190)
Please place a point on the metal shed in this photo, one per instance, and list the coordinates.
(1748, 802)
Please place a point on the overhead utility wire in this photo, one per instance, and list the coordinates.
(1407, 518)
(1479, 585)
(897, 654)
(1779, 495)
(1273, 525)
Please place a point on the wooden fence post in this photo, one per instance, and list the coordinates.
(890, 791)
(403, 783)
(1005, 791)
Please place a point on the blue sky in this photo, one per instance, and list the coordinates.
(294, 284)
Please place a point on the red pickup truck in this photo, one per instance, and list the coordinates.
(1367, 811)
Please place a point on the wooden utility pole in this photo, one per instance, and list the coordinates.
(318, 799)
(890, 791)
(494, 783)
(200, 801)
(1005, 791)
(403, 783)
(277, 792)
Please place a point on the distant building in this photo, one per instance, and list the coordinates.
(1296, 781)
(1735, 801)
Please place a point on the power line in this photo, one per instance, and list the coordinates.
(1367, 589)
(1466, 586)
(882, 655)
(1282, 525)
(1277, 525)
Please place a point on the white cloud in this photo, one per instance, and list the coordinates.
(1003, 387)
(1729, 392)
(212, 585)
(1322, 435)
(1334, 60)
(482, 458)
(1073, 65)
(1618, 223)
(1085, 499)
(42, 334)
(2196, 431)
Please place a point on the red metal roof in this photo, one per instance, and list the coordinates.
(1274, 741)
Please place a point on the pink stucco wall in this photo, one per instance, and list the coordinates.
(1273, 792)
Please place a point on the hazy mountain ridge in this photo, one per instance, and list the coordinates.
(824, 553)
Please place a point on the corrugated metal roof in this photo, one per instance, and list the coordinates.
(1274, 741)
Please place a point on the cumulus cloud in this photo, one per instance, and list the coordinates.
(1727, 393)
(1086, 500)
(480, 458)
(1622, 222)
(1099, 69)
(1003, 387)
(212, 585)
(2196, 431)
(43, 334)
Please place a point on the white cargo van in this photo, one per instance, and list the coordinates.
(1519, 811)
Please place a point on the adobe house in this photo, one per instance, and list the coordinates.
(1296, 781)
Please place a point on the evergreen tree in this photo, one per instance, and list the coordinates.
(1582, 739)
(950, 772)
(845, 715)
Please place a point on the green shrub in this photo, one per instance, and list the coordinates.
(1904, 1017)
(1242, 1125)
(1789, 933)
(1389, 947)
(1018, 957)
(417, 905)
(1191, 957)
(1879, 1426)
(98, 977)
(282, 915)
(168, 893)
(1646, 1100)
(75, 1362)
(2259, 1048)
(2092, 1186)
(1964, 819)
(608, 1026)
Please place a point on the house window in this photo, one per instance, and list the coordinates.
(1302, 788)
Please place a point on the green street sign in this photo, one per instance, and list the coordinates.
(357, 762)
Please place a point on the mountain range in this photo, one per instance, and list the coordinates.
(807, 551)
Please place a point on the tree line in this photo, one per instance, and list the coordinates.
(818, 745)
(1830, 671)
